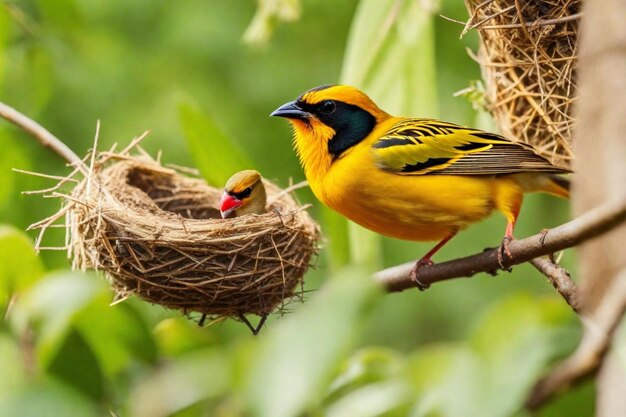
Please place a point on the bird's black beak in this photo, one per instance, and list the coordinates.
(291, 110)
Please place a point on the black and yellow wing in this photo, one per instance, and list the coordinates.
(427, 146)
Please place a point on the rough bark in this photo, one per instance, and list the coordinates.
(600, 144)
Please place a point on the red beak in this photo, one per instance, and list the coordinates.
(228, 204)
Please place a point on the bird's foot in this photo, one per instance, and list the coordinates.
(415, 273)
(505, 251)
(543, 233)
(255, 330)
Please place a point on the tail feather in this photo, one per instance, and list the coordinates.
(558, 186)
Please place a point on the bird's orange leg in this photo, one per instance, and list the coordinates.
(425, 260)
(504, 246)
(511, 211)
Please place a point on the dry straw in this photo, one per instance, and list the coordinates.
(158, 235)
(528, 60)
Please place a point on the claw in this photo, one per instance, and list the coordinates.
(504, 250)
(425, 261)
(415, 273)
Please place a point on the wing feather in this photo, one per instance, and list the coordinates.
(427, 146)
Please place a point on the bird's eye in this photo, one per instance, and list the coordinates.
(327, 107)
(245, 193)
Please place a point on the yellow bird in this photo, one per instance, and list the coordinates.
(244, 193)
(411, 178)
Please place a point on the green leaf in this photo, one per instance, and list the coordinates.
(367, 35)
(46, 399)
(490, 374)
(76, 364)
(182, 382)
(291, 365)
(178, 335)
(370, 385)
(52, 306)
(268, 13)
(19, 265)
(428, 371)
(427, 366)
(5, 22)
(121, 338)
(372, 400)
(516, 340)
(11, 363)
(368, 365)
(216, 155)
(336, 232)
(391, 55)
(73, 302)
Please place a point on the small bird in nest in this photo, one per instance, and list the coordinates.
(244, 193)
(411, 178)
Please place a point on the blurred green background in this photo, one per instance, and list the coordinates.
(203, 77)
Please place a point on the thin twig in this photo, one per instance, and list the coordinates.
(592, 349)
(587, 226)
(92, 163)
(48, 176)
(560, 279)
(288, 190)
(134, 143)
(41, 134)
(186, 170)
(535, 23)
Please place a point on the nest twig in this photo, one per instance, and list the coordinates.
(528, 59)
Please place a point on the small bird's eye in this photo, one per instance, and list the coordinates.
(327, 107)
(245, 193)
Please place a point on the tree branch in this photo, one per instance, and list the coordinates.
(560, 279)
(589, 355)
(589, 225)
(44, 137)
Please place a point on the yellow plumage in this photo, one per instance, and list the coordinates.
(413, 179)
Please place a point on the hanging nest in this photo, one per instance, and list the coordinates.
(158, 235)
(528, 60)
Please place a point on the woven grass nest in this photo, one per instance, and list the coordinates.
(158, 234)
(528, 60)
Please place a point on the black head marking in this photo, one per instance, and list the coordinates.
(350, 123)
(242, 194)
